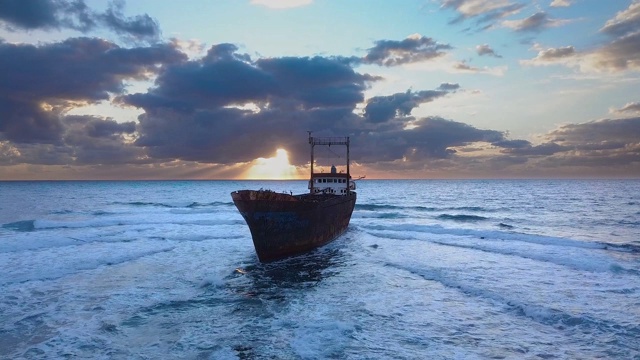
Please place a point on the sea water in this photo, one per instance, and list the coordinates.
(460, 269)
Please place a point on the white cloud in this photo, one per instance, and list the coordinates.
(281, 4)
(560, 3)
(632, 107)
(471, 8)
(625, 21)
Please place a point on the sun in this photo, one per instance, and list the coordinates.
(273, 168)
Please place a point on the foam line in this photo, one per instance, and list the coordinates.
(538, 313)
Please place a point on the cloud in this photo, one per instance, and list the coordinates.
(209, 109)
(431, 138)
(486, 50)
(96, 140)
(384, 108)
(281, 4)
(464, 67)
(75, 14)
(42, 82)
(621, 53)
(137, 27)
(625, 22)
(600, 144)
(415, 48)
(228, 108)
(599, 134)
(484, 11)
(561, 55)
(629, 107)
(534, 23)
(561, 3)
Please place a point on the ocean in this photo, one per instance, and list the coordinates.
(428, 269)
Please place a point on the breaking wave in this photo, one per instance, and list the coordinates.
(461, 218)
(175, 205)
(375, 207)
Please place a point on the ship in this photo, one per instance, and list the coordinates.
(283, 225)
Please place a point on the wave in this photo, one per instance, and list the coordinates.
(629, 223)
(548, 253)
(375, 207)
(96, 223)
(64, 268)
(461, 218)
(20, 226)
(378, 215)
(175, 205)
(62, 212)
(490, 234)
(43, 224)
(521, 307)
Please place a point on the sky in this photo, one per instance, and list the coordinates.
(200, 89)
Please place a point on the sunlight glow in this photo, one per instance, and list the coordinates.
(274, 168)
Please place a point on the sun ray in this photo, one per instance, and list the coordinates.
(273, 168)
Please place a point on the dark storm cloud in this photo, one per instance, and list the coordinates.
(383, 108)
(83, 140)
(39, 83)
(545, 149)
(431, 138)
(211, 109)
(96, 127)
(410, 50)
(227, 108)
(600, 144)
(624, 131)
(95, 140)
(512, 144)
(223, 78)
(137, 27)
(316, 81)
(45, 14)
(75, 14)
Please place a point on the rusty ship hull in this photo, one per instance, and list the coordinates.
(284, 225)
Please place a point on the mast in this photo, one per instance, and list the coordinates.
(311, 177)
(344, 140)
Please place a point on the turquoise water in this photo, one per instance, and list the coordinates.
(535, 269)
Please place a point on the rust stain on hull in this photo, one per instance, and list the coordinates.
(284, 225)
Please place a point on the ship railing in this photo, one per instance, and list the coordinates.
(340, 140)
